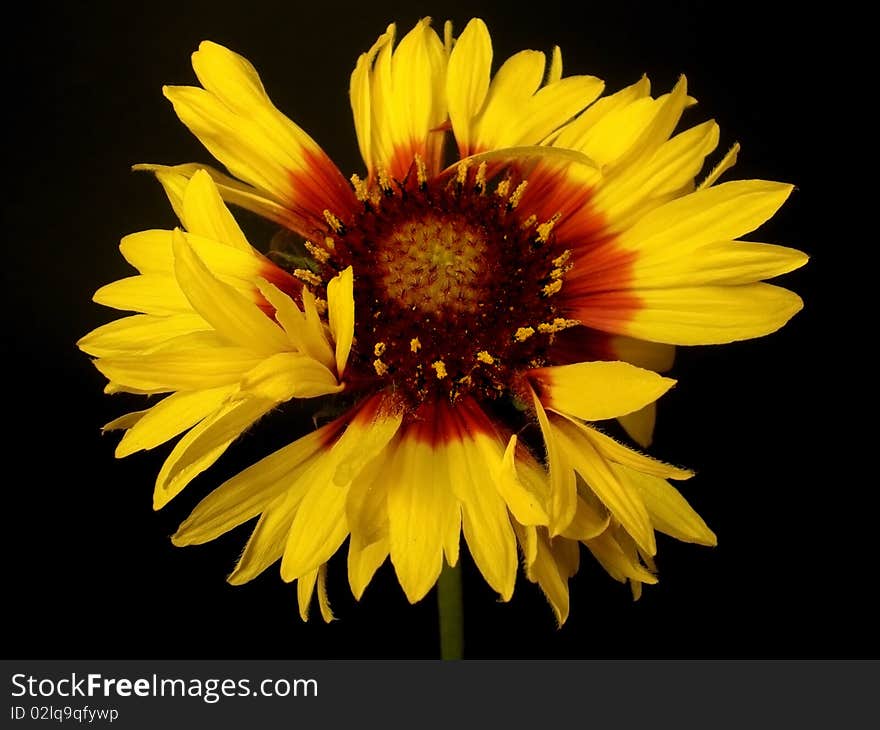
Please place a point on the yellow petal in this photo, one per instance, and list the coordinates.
(149, 251)
(139, 333)
(288, 375)
(657, 131)
(567, 555)
(712, 315)
(577, 133)
(513, 85)
(420, 505)
(723, 262)
(595, 391)
(340, 307)
(233, 191)
(125, 421)
(367, 503)
(720, 213)
(528, 543)
(248, 493)
(323, 600)
(189, 362)
(467, 81)
(545, 572)
(619, 566)
(589, 521)
(304, 329)
(204, 213)
(204, 444)
(485, 520)
(170, 417)
(149, 293)
(239, 143)
(363, 562)
(360, 97)
(234, 118)
(622, 501)
(407, 103)
(267, 542)
(670, 512)
(728, 161)
(524, 504)
(320, 524)
(563, 490)
(305, 587)
(669, 169)
(620, 454)
(235, 318)
(608, 138)
(639, 424)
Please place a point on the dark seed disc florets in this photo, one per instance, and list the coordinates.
(453, 287)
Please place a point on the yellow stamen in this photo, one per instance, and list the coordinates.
(421, 171)
(552, 288)
(503, 188)
(307, 276)
(484, 356)
(461, 176)
(321, 306)
(557, 325)
(330, 243)
(384, 180)
(415, 345)
(563, 258)
(545, 228)
(530, 221)
(440, 369)
(361, 191)
(480, 180)
(333, 221)
(380, 367)
(319, 254)
(379, 349)
(517, 194)
(523, 333)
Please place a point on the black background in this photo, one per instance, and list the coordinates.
(769, 425)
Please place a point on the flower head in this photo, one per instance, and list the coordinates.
(479, 316)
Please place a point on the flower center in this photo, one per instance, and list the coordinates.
(454, 286)
(434, 262)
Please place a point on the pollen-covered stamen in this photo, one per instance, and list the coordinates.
(546, 228)
(421, 172)
(384, 181)
(462, 172)
(334, 222)
(480, 178)
(308, 277)
(516, 197)
(529, 222)
(361, 191)
(319, 254)
(557, 325)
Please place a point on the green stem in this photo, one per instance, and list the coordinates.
(451, 612)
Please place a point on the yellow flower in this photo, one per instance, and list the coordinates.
(480, 316)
